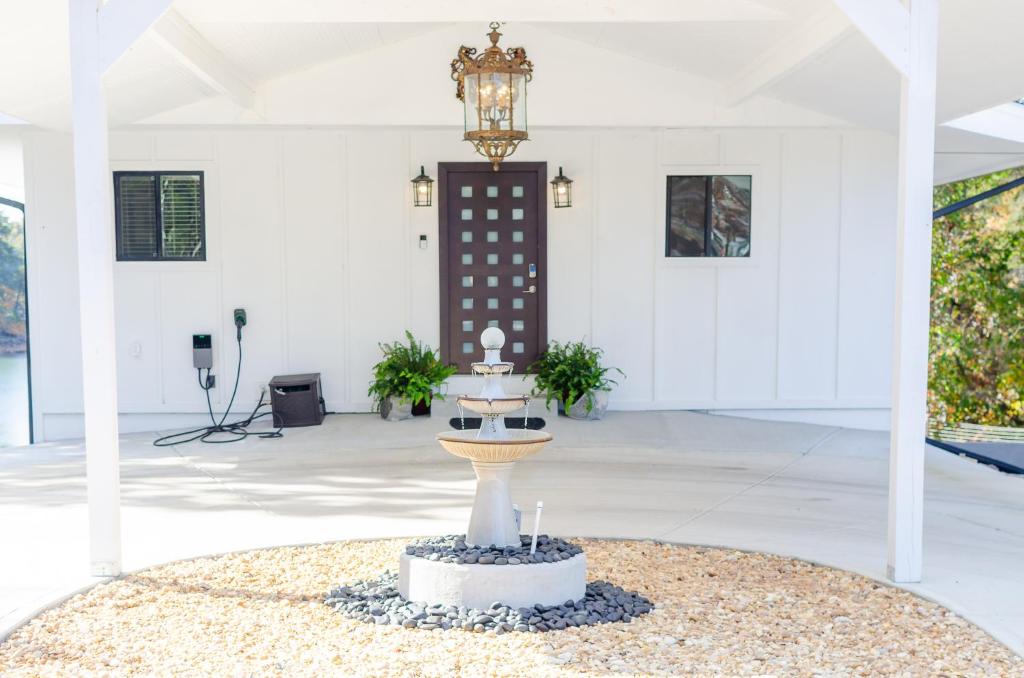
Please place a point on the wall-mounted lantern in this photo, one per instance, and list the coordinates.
(422, 189)
(561, 186)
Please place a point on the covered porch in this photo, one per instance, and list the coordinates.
(305, 123)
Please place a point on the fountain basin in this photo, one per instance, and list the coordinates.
(477, 586)
(491, 368)
(513, 446)
(492, 406)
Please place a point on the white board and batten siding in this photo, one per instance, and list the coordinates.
(314, 233)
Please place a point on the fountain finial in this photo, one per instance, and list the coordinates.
(492, 338)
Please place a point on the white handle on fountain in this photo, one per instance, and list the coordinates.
(536, 527)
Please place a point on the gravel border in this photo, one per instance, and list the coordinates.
(377, 601)
(719, 611)
(452, 548)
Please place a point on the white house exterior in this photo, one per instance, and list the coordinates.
(308, 122)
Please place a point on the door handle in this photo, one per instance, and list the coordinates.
(532, 290)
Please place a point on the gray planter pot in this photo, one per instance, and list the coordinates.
(578, 410)
(394, 409)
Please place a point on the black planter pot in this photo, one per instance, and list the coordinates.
(421, 409)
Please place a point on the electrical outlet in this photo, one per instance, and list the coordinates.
(211, 380)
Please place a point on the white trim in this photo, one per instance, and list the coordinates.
(666, 170)
(211, 199)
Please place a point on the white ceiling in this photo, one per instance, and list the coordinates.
(265, 50)
(717, 50)
(980, 63)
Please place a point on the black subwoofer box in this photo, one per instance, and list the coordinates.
(295, 400)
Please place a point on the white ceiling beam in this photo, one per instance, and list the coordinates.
(122, 22)
(807, 40)
(184, 43)
(448, 11)
(886, 25)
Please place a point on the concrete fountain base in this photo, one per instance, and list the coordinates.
(477, 586)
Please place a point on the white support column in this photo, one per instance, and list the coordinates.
(913, 278)
(95, 288)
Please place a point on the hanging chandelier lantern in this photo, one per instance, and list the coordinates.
(492, 87)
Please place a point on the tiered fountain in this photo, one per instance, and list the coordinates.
(493, 451)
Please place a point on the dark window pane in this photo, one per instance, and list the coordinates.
(181, 215)
(159, 216)
(687, 202)
(730, 216)
(136, 217)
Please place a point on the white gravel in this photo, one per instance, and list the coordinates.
(717, 612)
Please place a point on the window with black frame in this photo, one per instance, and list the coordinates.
(707, 216)
(159, 216)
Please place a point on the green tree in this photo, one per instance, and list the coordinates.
(976, 361)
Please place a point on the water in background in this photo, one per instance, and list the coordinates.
(13, 399)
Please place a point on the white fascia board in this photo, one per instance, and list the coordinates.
(886, 25)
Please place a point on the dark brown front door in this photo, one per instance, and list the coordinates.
(493, 255)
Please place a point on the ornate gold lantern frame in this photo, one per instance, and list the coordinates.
(492, 87)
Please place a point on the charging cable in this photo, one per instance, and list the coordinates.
(215, 432)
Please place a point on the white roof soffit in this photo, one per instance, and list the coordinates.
(1002, 122)
(960, 154)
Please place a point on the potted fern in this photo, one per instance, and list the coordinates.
(572, 374)
(407, 379)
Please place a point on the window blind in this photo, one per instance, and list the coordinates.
(159, 216)
(137, 220)
(181, 216)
